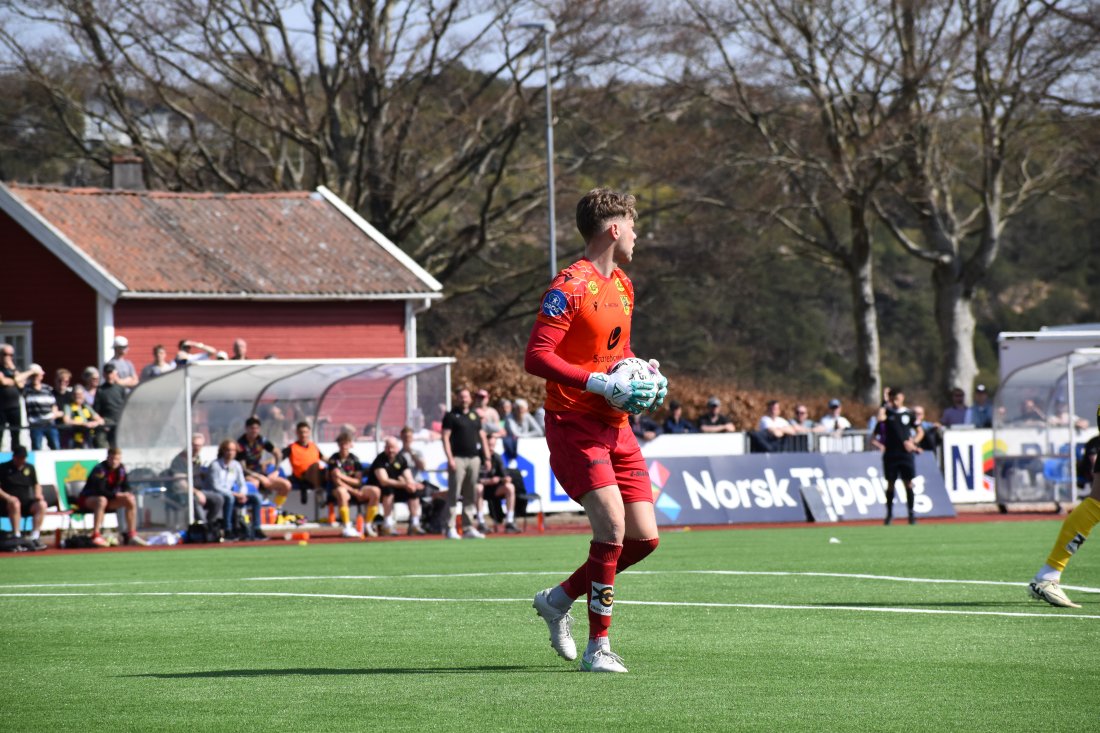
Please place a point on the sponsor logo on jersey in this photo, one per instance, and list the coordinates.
(613, 339)
(554, 304)
(603, 598)
(626, 304)
(619, 285)
(1075, 543)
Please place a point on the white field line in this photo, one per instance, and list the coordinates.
(687, 604)
(556, 573)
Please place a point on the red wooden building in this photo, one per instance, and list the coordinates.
(296, 274)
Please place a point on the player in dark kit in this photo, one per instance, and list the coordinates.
(582, 330)
(897, 435)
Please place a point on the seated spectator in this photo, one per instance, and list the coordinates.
(345, 472)
(933, 431)
(802, 422)
(160, 364)
(81, 421)
(1030, 414)
(676, 422)
(209, 509)
(20, 495)
(956, 413)
(225, 477)
(108, 488)
(240, 349)
(124, 368)
(1086, 465)
(63, 386)
(522, 424)
(775, 424)
(305, 458)
(251, 447)
(393, 476)
(644, 427)
(12, 382)
(42, 411)
(1060, 417)
(110, 398)
(980, 414)
(90, 379)
(495, 484)
(433, 509)
(832, 421)
(490, 418)
(712, 421)
(184, 355)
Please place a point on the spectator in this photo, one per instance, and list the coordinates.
(643, 427)
(21, 494)
(980, 414)
(505, 408)
(832, 421)
(1031, 414)
(933, 431)
(522, 424)
(90, 379)
(305, 458)
(251, 447)
(209, 508)
(345, 472)
(393, 476)
(240, 349)
(42, 411)
(63, 386)
(184, 355)
(466, 447)
(127, 375)
(495, 484)
(12, 382)
(110, 399)
(775, 424)
(956, 414)
(434, 505)
(712, 421)
(108, 488)
(1086, 465)
(490, 418)
(1060, 417)
(81, 420)
(225, 477)
(676, 422)
(160, 364)
(802, 422)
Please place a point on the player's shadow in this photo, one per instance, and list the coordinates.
(329, 671)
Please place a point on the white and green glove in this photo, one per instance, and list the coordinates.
(621, 392)
(662, 386)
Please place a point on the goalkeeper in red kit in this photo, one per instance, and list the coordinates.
(581, 331)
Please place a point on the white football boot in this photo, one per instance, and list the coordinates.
(1051, 592)
(602, 660)
(560, 624)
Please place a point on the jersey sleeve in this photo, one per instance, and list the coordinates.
(543, 361)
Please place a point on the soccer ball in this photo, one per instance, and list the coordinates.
(636, 369)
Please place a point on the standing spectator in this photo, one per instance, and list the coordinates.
(802, 421)
(240, 349)
(713, 421)
(644, 427)
(305, 458)
(184, 355)
(110, 399)
(81, 420)
(466, 446)
(207, 507)
(251, 447)
(932, 431)
(956, 414)
(676, 422)
(63, 386)
(393, 476)
(42, 411)
(897, 435)
(980, 414)
(161, 364)
(495, 484)
(12, 382)
(127, 375)
(522, 423)
(20, 494)
(108, 488)
(345, 472)
(490, 418)
(225, 476)
(832, 421)
(90, 379)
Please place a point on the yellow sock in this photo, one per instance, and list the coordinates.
(1075, 530)
(279, 501)
(345, 517)
(372, 512)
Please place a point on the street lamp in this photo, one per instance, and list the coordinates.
(546, 28)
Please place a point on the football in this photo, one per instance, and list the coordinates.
(636, 369)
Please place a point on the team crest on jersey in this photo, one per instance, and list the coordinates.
(619, 285)
(593, 287)
(603, 598)
(626, 304)
(554, 304)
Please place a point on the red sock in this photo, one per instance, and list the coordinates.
(576, 585)
(634, 551)
(602, 557)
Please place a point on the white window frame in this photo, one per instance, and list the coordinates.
(20, 334)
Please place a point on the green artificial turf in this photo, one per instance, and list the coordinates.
(151, 645)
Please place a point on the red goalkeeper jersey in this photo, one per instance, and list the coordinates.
(594, 313)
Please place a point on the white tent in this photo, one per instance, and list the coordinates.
(213, 397)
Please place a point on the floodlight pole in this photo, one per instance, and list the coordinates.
(546, 28)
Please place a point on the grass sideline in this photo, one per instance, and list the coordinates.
(187, 640)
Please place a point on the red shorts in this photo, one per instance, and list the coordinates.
(587, 453)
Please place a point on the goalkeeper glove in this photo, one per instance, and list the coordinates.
(662, 385)
(621, 392)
